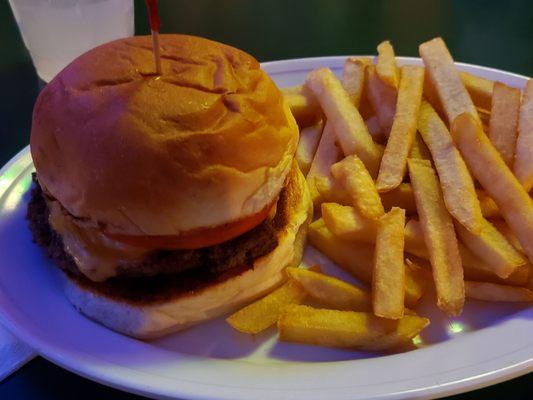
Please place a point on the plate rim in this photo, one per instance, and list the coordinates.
(448, 388)
(409, 59)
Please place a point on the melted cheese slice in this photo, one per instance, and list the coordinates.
(96, 256)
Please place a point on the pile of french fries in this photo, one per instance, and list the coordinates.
(419, 176)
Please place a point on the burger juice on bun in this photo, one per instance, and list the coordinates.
(166, 199)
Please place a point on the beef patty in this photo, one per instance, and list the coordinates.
(163, 272)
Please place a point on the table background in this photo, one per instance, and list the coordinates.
(494, 33)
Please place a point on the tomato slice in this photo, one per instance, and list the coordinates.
(196, 238)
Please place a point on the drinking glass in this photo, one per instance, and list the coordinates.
(57, 31)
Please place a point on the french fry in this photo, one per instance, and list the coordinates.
(493, 248)
(523, 273)
(431, 96)
(356, 259)
(382, 97)
(355, 178)
(488, 167)
(303, 106)
(439, 236)
(349, 127)
(480, 89)
(494, 292)
(307, 145)
(415, 245)
(388, 278)
(332, 191)
(403, 131)
(418, 279)
(446, 80)
(489, 208)
(353, 257)
(402, 197)
(263, 313)
(457, 185)
(504, 229)
(306, 109)
(346, 329)
(419, 149)
(474, 268)
(523, 164)
(416, 284)
(484, 116)
(297, 89)
(326, 155)
(302, 102)
(331, 292)
(386, 67)
(353, 78)
(347, 224)
(374, 128)
(414, 239)
(503, 125)
(473, 271)
(354, 83)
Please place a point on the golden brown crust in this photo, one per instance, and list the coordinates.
(208, 142)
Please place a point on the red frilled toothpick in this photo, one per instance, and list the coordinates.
(153, 15)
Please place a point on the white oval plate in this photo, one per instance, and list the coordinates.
(487, 344)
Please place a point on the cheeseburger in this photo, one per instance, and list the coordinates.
(169, 199)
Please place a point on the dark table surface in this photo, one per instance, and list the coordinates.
(497, 34)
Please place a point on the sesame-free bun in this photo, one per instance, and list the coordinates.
(208, 142)
(175, 311)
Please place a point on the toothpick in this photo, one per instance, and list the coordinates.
(157, 52)
(153, 16)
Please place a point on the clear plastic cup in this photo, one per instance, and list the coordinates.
(57, 31)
